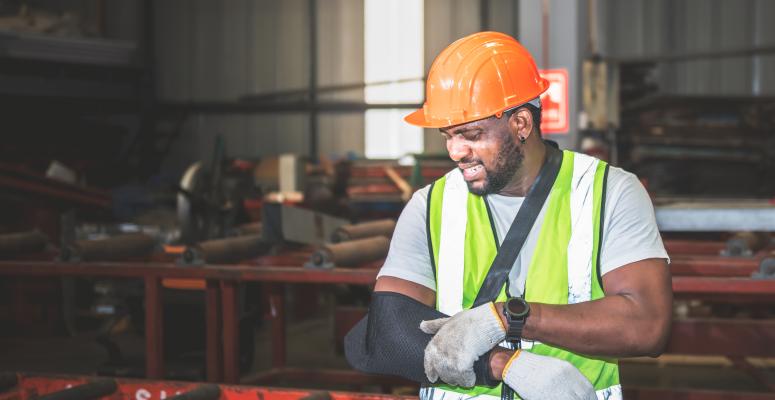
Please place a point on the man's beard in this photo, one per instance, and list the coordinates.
(508, 161)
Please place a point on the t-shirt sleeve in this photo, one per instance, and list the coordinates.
(408, 257)
(630, 230)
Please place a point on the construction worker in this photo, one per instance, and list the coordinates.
(587, 283)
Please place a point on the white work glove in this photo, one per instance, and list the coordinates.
(459, 341)
(534, 376)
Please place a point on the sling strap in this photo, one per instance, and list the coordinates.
(523, 222)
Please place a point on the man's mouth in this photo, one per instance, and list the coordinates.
(473, 173)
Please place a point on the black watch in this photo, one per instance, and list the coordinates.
(516, 310)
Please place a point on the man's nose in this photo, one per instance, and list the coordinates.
(458, 148)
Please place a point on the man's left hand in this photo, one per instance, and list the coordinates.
(459, 341)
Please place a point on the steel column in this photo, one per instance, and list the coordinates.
(154, 333)
(213, 350)
(484, 15)
(277, 318)
(230, 331)
(313, 79)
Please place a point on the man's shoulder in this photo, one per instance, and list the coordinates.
(422, 193)
(618, 176)
(620, 180)
(624, 191)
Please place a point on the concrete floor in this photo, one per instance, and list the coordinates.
(311, 346)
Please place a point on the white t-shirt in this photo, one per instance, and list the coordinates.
(630, 233)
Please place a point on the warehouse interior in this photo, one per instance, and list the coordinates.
(199, 194)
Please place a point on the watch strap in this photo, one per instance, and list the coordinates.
(514, 330)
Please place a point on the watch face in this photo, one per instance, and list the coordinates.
(517, 307)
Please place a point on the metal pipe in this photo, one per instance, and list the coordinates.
(274, 96)
(203, 392)
(88, 391)
(225, 251)
(382, 227)
(351, 253)
(117, 248)
(319, 395)
(14, 244)
(484, 15)
(227, 107)
(698, 55)
(313, 79)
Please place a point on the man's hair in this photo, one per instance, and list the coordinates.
(535, 112)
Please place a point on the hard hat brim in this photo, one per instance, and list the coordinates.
(417, 117)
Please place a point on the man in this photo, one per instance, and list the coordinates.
(590, 284)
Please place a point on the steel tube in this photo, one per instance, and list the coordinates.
(203, 392)
(88, 391)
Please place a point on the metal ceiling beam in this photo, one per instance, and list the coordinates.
(225, 107)
(697, 55)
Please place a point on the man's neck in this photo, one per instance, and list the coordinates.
(535, 154)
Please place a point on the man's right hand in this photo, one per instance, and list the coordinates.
(534, 376)
(458, 341)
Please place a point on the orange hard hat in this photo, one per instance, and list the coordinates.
(476, 77)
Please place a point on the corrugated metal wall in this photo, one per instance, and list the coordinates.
(632, 28)
(219, 51)
(222, 50)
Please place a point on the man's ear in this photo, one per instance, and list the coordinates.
(521, 123)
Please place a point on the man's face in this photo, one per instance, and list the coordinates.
(486, 152)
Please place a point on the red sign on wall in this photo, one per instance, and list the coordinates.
(554, 102)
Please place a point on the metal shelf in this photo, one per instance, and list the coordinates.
(104, 52)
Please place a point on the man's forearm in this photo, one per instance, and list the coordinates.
(581, 328)
(625, 323)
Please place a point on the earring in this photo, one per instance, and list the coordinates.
(522, 139)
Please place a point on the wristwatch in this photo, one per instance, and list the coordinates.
(516, 310)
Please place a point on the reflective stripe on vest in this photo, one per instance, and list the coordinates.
(563, 267)
(436, 393)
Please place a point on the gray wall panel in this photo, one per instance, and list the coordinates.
(220, 51)
(340, 61)
(503, 16)
(340, 48)
(633, 28)
(340, 134)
